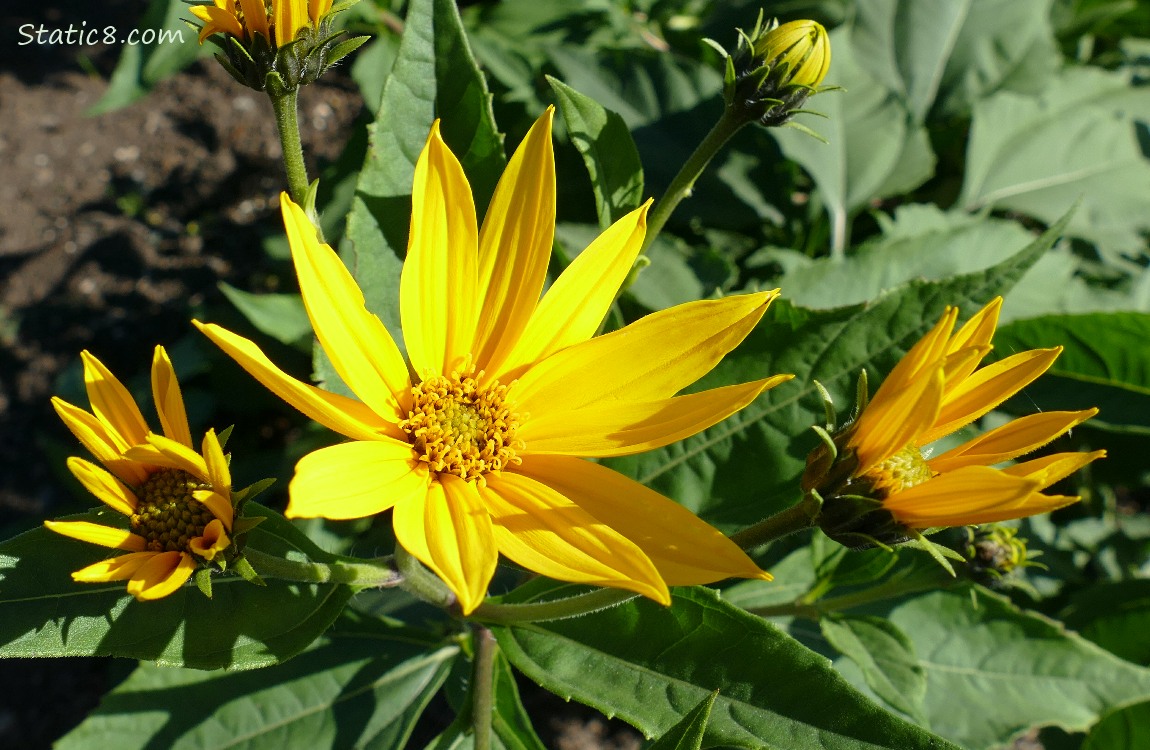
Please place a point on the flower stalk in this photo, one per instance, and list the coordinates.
(286, 107)
(923, 579)
(379, 574)
(558, 609)
(483, 686)
(801, 516)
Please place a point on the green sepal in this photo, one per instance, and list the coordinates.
(275, 85)
(203, 578)
(250, 492)
(244, 524)
(804, 129)
(223, 436)
(231, 69)
(345, 48)
(244, 570)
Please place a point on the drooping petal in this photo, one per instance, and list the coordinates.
(438, 286)
(545, 532)
(449, 531)
(515, 242)
(575, 305)
(169, 400)
(623, 428)
(220, 506)
(216, 20)
(685, 550)
(1015, 438)
(965, 495)
(117, 568)
(110, 490)
(355, 480)
(219, 474)
(987, 388)
(95, 533)
(162, 575)
(94, 436)
(1053, 468)
(339, 413)
(111, 402)
(360, 348)
(256, 17)
(162, 451)
(213, 541)
(677, 347)
(896, 417)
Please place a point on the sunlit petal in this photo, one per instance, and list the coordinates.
(685, 550)
(976, 332)
(213, 541)
(162, 575)
(1015, 438)
(540, 529)
(1053, 468)
(111, 402)
(216, 20)
(355, 480)
(219, 474)
(220, 506)
(94, 436)
(965, 494)
(110, 490)
(255, 17)
(94, 533)
(118, 568)
(896, 417)
(165, 452)
(922, 357)
(169, 400)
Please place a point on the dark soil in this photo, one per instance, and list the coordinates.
(112, 229)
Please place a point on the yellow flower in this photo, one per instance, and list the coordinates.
(178, 501)
(242, 18)
(798, 53)
(934, 390)
(478, 445)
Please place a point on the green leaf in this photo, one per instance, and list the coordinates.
(1115, 615)
(281, 316)
(886, 657)
(141, 66)
(747, 467)
(1079, 140)
(434, 75)
(1128, 727)
(364, 685)
(605, 143)
(242, 626)
(651, 664)
(1104, 363)
(688, 733)
(1008, 669)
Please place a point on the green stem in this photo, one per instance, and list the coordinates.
(483, 686)
(732, 120)
(922, 580)
(307, 571)
(287, 122)
(559, 609)
(795, 518)
(421, 582)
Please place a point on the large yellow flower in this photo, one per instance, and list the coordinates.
(936, 389)
(178, 501)
(477, 445)
(242, 18)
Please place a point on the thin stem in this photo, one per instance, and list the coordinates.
(307, 571)
(420, 581)
(483, 686)
(922, 580)
(795, 518)
(287, 122)
(559, 609)
(732, 120)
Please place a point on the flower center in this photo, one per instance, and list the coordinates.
(167, 515)
(460, 428)
(903, 470)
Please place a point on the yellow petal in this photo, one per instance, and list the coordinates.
(620, 429)
(339, 413)
(515, 242)
(213, 541)
(256, 17)
(653, 358)
(438, 286)
(543, 531)
(1031, 505)
(218, 504)
(219, 474)
(1050, 469)
(169, 400)
(355, 480)
(111, 402)
(162, 575)
(111, 491)
(113, 569)
(360, 348)
(896, 417)
(449, 531)
(1015, 438)
(216, 20)
(94, 436)
(976, 332)
(987, 388)
(289, 16)
(685, 550)
(958, 498)
(95, 533)
(575, 305)
(317, 9)
(922, 357)
(165, 452)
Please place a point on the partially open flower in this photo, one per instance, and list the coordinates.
(878, 483)
(178, 502)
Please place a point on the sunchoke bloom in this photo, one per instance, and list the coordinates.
(478, 445)
(278, 20)
(880, 482)
(178, 501)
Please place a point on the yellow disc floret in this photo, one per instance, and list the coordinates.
(901, 471)
(459, 427)
(168, 516)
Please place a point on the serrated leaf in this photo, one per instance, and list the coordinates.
(1008, 669)
(650, 664)
(242, 626)
(1105, 363)
(608, 151)
(281, 316)
(363, 686)
(886, 657)
(688, 733)
(747, 467)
